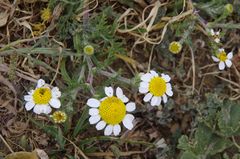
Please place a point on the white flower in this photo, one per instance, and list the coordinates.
(215, 35)
(110, 111)
(223, 59)
(42, 98)
(155, 87)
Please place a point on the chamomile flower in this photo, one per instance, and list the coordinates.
(175, 47)
(156, 88)
(42, 98)
(110, 111)
(215, 35)
(223, 58)
(59, 117)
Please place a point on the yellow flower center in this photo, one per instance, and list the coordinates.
(157, 86)
(42, 95)
(222, 56)
(112, 110)
(59, 117)
(175, 47)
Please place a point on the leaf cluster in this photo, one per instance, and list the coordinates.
(218, 124)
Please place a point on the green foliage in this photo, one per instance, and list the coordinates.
(81, 123)
(98, 30)
(219, 122)
(53, 131)
(188, 155)
(212, 8)
(229, 119)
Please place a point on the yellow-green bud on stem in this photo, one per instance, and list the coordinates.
(175, 47)
(229, 8)
(88, 49)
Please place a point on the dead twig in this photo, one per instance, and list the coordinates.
(5, 142)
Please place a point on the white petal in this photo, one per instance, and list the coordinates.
(146, 77)
(103, 99)
(94, 119)
(127, 122)
(144, 84)
(212, 32)
(101, 125)
(217, 40)
(47, 110)
(55, 103)
(230, 55)
(154, 74)
(221, 50)
(221, 65)
(130, 106)
(154, 100)
(164, 98)
(217, 33)
(31, 92)
(167, 78)
(93, 103)
(228, 63)
(29, 105)
(108, 130)
(169, 87)
(109, 91)
(129, 116)
(116, 129)
(28, 98)
(147, 97)
(56, 93)
(124, 99)
(169, 92)
(143, 90)
(93, 111)
(121, 96)
(159, 101)
(119, 92)
(39, 109)
(40, 83)
(215, 59)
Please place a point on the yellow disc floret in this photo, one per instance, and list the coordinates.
(175, 47)
(59, 117)
(42, 95)
(222, 56)
(157, 86)
(112, 110)
(46, 14)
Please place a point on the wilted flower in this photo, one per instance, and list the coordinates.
(215, 35)
(46, 14)
(59, 117)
